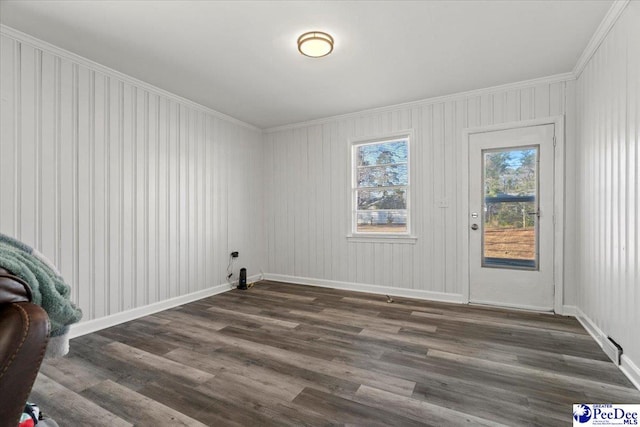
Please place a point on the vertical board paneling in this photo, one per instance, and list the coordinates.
(633, 179)
(449, 224)
(100, 142)
(8, 91)
(48, 154)
(608, 93)
(86, 116)
(66, 166)
(152, 211)
(127, 190)
(27, 154)
(571, 213)
(308, 198)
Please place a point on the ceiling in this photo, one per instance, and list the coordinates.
(240, 57)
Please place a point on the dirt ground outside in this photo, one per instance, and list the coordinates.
(511, 243)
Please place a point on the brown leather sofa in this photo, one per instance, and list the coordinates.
(24, 334)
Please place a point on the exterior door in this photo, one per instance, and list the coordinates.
(511, 217)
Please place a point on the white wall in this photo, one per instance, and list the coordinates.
(137, 195)
(307, 198)
(608, 132)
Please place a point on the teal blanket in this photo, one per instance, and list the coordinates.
(48, 288)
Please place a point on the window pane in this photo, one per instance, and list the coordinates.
(386, 199)
(510, 172)
(510, 229)
(382, 154)
(382, 221)
(383, 176)
(381, 185)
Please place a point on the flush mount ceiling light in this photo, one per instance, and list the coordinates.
(315, 44)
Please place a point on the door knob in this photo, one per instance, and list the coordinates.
(474, 226)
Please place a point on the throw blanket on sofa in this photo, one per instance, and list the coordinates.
(48, 288)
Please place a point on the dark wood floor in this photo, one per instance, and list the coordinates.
(282, 354)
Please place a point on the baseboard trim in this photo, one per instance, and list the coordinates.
(627, 366)
(513, 306)
(569, 310)
(373, 289)
(590, 327)
(631, 370)
(95, 325)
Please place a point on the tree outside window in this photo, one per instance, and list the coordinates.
(381, 186)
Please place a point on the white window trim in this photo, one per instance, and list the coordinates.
(407, 237)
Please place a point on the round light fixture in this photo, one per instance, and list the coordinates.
(315, 44)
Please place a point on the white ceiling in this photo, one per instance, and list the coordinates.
(240, 57)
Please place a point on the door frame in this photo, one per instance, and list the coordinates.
(558, 202)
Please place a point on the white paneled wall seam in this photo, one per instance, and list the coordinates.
(126, 188)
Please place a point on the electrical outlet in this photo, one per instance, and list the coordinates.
(235, 254)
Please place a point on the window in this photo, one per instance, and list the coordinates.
(381, 187)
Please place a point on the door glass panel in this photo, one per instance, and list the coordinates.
(510, 208)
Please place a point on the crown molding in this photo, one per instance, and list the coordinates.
(607, 23)
(41, 44)
(556, 78)
(598, 37)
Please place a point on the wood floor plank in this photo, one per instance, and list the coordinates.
(377, 323)
(254, 317)
(536, 386)
(69, 408)
(204, 408)
(135, 337)
(304, 373)
(265, 409)
(284, 295)
(283, 354)
(263, 380)
(137, 408)
(422, 343)
(478, 344)
(331, 368)
(578, 367)
(502, 323)
(73, 373)
(185, 318)
(589, 386)
(419, 410)
(90, 349)
(340, 410)
(143, 360)
(485, 406)
(310, 318)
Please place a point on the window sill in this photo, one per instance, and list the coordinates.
(382, 238)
